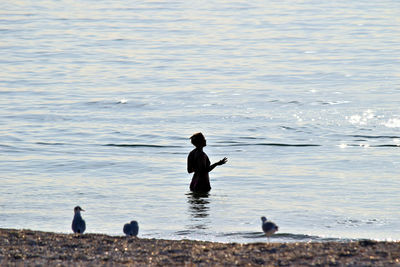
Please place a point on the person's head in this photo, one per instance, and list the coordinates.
(198, 140)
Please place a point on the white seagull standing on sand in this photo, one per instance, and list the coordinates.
(268, 227)
(78, 224)
(131, 229)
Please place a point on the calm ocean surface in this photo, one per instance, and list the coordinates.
(98, 100)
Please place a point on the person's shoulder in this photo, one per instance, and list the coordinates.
(196, 153)
(192, 153)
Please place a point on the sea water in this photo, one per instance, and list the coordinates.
(98, 100)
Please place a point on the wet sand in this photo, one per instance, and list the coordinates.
(34, 248)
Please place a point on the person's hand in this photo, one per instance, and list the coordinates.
(222, 161)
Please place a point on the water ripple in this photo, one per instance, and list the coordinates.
(141, 145)
(231, 144)
(376, 136)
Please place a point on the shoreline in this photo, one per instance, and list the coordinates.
(28, 247)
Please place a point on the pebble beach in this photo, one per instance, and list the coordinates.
(35, 248)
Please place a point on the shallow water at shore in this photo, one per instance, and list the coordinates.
(97, 103)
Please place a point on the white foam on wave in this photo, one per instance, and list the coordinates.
(122, 101)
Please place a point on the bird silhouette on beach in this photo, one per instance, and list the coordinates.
(268, 227)
(131, 229)
(78, 224)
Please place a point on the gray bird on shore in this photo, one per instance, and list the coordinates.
(78, 224)
(268, 227)
(131, 229)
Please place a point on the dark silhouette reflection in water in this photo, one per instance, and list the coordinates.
(199, 206)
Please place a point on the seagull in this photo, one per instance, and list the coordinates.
(268, 227)
(131, 229)
(78, 224)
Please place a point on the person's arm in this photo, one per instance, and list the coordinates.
(190, 167)
(221, 162)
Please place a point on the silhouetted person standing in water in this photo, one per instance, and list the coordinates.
(199, 163)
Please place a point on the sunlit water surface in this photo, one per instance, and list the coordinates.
(98, 100)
